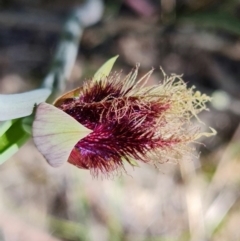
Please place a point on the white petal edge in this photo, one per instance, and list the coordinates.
(55, 133)
(19, 105)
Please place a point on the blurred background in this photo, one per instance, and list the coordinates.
(197, 200)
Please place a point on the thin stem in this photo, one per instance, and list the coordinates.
(67, 50)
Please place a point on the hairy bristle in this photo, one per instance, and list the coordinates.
(129, 120)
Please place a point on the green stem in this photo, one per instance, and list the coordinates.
(12, 140)
(67, 49)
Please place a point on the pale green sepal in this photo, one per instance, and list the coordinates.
(55, 133)
(105, 69)
(19, 105)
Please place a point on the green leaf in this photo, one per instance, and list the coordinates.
(105, 69)
(55, 133)
(13, 138)
(18, 105)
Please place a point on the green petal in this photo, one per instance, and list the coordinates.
(105, 69)
(55, 133)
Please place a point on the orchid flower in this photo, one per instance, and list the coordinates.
(111, 120)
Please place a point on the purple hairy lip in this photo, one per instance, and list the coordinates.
(131, 121)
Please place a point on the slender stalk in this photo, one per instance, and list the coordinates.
(67, 50)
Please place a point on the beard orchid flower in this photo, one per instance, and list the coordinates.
(113, 120)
